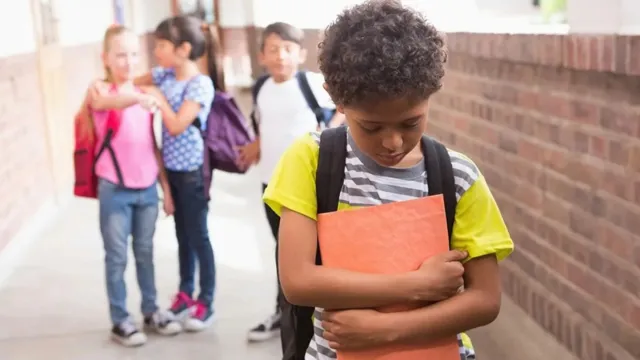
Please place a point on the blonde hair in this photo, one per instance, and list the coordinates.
(84, 115)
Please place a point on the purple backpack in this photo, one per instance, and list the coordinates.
(227, 129)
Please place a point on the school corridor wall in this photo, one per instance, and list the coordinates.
(51, 52)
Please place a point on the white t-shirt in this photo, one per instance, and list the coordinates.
(284, 116)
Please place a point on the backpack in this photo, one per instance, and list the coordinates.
(85, 155)
(227, 129)
(323, 115)
(329, 181)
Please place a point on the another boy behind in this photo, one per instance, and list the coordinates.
(283, 115)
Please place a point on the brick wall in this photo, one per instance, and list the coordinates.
(554, 124)
(26, 181)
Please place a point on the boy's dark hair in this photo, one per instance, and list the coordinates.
(381, 49)
(184, 28)
(286, 32)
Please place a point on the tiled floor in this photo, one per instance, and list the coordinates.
(53, 306)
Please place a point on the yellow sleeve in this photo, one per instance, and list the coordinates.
(479, 228)
(293, 183)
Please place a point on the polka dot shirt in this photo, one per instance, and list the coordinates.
(184, 152)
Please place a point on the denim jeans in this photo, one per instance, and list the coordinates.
(194, 246)
(125, 212)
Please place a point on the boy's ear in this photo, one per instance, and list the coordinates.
(261, 58)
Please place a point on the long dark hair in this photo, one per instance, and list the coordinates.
(181, 29)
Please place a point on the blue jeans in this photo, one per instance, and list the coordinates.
(194, 246)
(125, 212)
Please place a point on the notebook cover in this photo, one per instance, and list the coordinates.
(386, 239)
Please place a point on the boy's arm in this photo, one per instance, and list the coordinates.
(477, 305)
(305, 283)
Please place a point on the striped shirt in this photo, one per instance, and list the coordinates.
(367, 183)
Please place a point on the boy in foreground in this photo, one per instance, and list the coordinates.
(381, 63)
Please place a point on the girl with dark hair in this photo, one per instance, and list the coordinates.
(180, 42)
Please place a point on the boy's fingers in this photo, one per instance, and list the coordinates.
(455, 255)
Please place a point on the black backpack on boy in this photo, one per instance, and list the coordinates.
(329, 180)
(323, 115)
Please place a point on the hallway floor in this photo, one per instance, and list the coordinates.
(54, 304)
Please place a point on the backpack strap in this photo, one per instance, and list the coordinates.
(330, 172)
(196, 122)
(309, 97)
(106, 145)
(440, 177)
(255, 90)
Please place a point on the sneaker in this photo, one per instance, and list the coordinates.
(127, 334)
(181, 307)
(163, 322)
(267, 329)
(200, 319)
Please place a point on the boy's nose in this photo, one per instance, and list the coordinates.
(392, 142)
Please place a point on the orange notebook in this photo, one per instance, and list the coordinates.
(390, 238)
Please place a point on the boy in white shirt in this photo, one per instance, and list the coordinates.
(287, 105)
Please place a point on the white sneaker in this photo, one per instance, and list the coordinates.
(127, 334)
(266, 330)
(163, 322)
(200, 319)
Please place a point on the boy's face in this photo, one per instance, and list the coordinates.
(389, 131)
(281, 58)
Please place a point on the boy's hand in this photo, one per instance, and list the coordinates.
(167, 204)
(440, 277)
(250, 153)
(355, 329)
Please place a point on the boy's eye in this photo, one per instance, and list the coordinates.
(370, 129)
(410, 125)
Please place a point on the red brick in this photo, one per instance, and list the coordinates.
(633, 67)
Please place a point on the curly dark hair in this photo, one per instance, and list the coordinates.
(381, 49)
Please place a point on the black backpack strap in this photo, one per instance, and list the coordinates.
(106, 145)
(297, 324)
(309, 97)
(440, 177)
(255, 90)
(330, 172)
